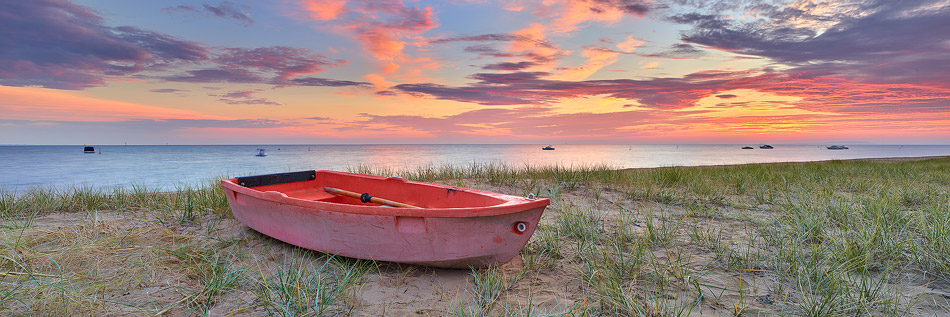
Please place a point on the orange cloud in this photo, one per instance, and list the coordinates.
(385, 29)
(650, 65)
(630, 44)
(532, 41)
(40, 104)
(597, 58)
(324, 10)
(379, 81)
(572, 13)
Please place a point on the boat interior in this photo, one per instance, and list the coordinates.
(308, 185)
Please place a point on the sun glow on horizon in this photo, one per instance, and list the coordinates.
(473, 71)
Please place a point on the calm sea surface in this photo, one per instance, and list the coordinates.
(167, 166)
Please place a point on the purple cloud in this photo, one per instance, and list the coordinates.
(678, 51)
(509, 66)
(480, 95)
(634, 7)
(167, 90)
(494, 37)
(182, 8)
(508, 78)
(244, 97)
(529, 89)
(891, 42)
(226, 10)
(324, 82)
(488, 51)
(240, 94)
(286, 62)
(217, 76)
(57, 44)
(276, 65)
(254, 101)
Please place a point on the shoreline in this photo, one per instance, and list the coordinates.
(873, 159)
(16, 191)
(707, 241)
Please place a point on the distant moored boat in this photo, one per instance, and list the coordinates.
(837, 147)
(261, 152)
(88, 149)
(766, 146)
(548, 148)
(747, 147)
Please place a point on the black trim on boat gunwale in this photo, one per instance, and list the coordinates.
(279, 178)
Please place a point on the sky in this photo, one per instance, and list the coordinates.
(479, 71)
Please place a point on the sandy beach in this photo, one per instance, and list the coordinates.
(856, 237)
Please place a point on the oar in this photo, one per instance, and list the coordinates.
(366, 198)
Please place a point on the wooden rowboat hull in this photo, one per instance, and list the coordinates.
(456, 227)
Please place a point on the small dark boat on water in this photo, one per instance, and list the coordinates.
(747, 148)
(766, 147)
(88, 149)
(837, 147)
(261, 152)
(548, 148)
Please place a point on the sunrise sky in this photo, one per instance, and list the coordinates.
(552, 71)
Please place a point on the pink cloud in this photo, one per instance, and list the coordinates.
(569, 15)
(324, 10)
(385, 28)
(597, 58)
(630, 44)
(650, 65)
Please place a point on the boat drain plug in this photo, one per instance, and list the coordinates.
(520, 227)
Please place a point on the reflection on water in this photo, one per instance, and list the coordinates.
(167, 166)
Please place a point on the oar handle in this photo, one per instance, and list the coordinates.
(366, 198)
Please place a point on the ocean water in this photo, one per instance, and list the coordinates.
(165, 167)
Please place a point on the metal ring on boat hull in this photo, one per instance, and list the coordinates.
(520, 227)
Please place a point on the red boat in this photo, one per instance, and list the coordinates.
(431, 224)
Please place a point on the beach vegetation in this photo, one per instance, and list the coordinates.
(858, 237)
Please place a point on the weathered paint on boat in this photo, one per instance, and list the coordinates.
(456, 227)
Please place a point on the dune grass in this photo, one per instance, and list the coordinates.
(859, 237)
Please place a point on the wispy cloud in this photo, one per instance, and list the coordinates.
(244, 97)
(510, 65)
(326, 82)
(226, 10)
(167, 90)
(285, 62)
(277, 65)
